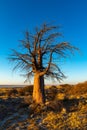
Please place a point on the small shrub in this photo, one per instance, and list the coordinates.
(55, 106)
(21, 92)
(60, 96)
(12, 92)
(51, 92)
(28, 89)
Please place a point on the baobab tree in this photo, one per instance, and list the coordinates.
(38, 57)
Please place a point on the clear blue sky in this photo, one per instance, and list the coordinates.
(18, 15)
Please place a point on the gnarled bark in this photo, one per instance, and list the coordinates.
(38, 90)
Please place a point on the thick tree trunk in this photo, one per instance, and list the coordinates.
(38, 90)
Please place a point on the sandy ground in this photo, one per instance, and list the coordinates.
(65, 109)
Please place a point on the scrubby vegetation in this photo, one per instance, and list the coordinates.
(65, 108)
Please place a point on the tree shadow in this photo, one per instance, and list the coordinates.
(10, 106)
(71, 105)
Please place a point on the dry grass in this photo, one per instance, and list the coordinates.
(65, 108)
(78, 89)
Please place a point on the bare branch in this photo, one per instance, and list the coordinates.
(40, 51)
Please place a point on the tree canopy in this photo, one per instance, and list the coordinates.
(41, 51)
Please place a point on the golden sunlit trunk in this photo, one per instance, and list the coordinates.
(38, 90)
